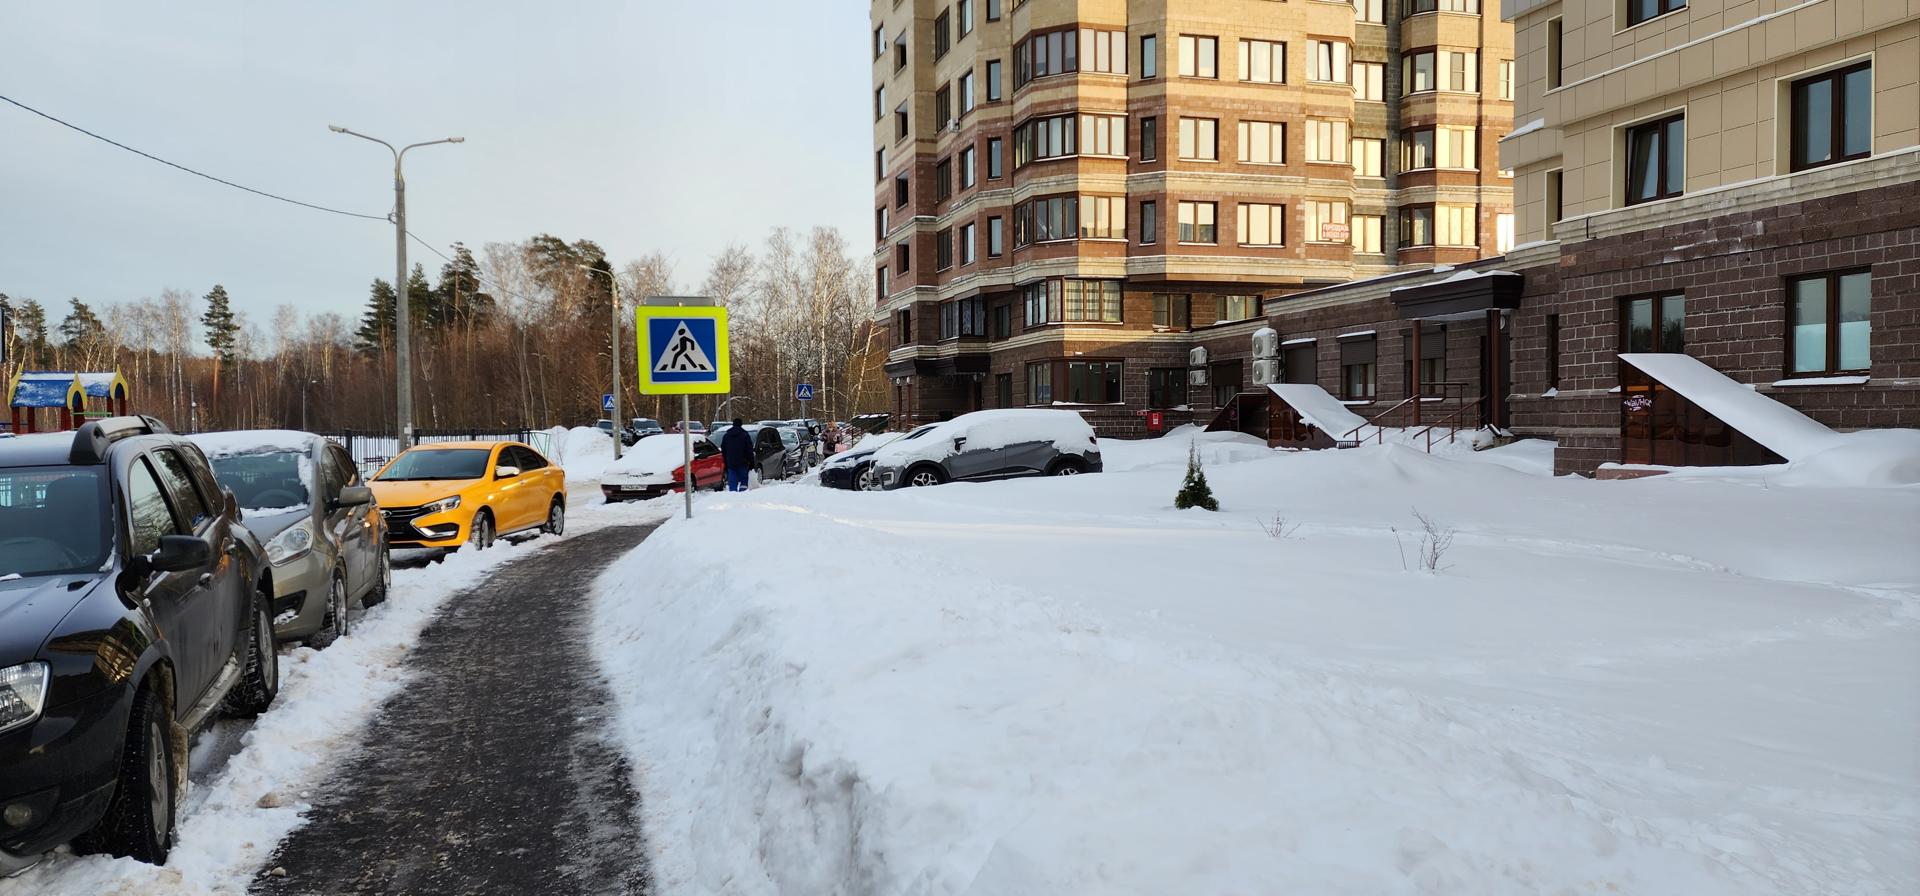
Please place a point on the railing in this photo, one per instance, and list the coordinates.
(1449, 421)
(1455, 391)
(373, 449)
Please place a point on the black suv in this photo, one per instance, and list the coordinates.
(132, 606)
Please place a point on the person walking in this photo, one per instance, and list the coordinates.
(736, 450)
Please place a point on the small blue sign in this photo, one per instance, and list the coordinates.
(606, 402)
(803, 392)
(684, 349)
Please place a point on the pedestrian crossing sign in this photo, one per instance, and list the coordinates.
(683, 350)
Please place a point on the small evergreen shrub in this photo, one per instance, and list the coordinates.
(1194, 491)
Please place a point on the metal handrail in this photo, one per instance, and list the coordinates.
(1452, 430)
(1374, 421)
(1379, 431)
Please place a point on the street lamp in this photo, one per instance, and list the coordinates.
(403, 362)
(613, 412)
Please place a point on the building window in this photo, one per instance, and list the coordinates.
(942, 180)
(1150, 138)
(1199, 56)
(942, 34)
(1503, 232)
(1556, 205)
(1200, 139)
(879, 42)
(943, 249)
(1093, 382)
(900, 185)
(1832, 117)
(1654, 324)
(967, 244)
(1374, 11)
(1366, 156)
(1357, 378)
(1197, 222)
(1057, 136)
(1641, 10)
(879, 102)
(1262, 224)
(1172, 311)
(1149, 222)
(1327, 141)
(1556, 55)
(993, 158)
(964, 87)
(1003, 321)
(1103, 51)
(903, 257)
(1416, 7)
(1166, 387)
(1327, 221)
(1232, 308)
(993, 10)
(1069, 50)
(1553, 351)
(1830, 330)
(1263, 61)
(1225, 378)
(1072, 301)
(1300, 363)
(880, 283)
(1263, 142)
(1103, 217)
(943, 106)
(1370, 82)
(900, 51)
(1046, 219)
(1433, 359)
(1441, 147)
(963, 318)
(966, 168)
(1040, 383)
(903, 327)
(996, 245)
(1003, 390)
(1506, 80)
(965, 9)
(1150, 56)
(1431, 69)
(993, 81)
(879, 165)
(1331, 63)
(1656, 159)
(1438, 225)
(880, 225)
(1366, 233)
(900, 121)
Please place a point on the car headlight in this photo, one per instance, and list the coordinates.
(292, 543)
(440, 505)
(23, 692)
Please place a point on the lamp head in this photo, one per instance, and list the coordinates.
(336, 129)
(456, 139)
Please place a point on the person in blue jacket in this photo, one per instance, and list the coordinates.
(736, 449)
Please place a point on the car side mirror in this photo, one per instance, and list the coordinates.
(179, 553)
(352, 496)
(960, 443)
(233, 505)
(505, 472)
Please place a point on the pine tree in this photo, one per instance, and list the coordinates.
(31, 328)
(375, 334)
(220, 326)
(81, 327)
(459, 297)
(422, 303)
(1194, 491)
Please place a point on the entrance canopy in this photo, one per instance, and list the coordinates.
(1466, 295)
(1778, 428)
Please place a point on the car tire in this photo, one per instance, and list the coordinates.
(138, 823)
(480, 533)
(556, 524)
(338, 620)
(1068, 466)
(926, 475)
(863, 479)
(382, 583)
(260, 678)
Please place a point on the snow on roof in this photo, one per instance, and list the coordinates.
(1355, 334)
(99, 385)
(1067, 430)
(1527, 128)
(1458, 276)
(1318, 407)
(252, 441)
(1301, 341)
(42, 390)
(654, 455)
(1782, 429)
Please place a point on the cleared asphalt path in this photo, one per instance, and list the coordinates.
(491, 773)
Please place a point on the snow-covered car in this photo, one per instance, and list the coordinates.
(991, 445)
(851, 469)
(654, 467)
(769, 451)
(641, 427)
(303, 497)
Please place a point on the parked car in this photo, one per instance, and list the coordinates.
(768, 449)
(641, 427)
(801, 452)
(303, 497)
(446, 494)
(658, 466)
(854, 469)
(133, 607)
(991, 445)
(693, 426)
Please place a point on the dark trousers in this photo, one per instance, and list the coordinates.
(737, 478)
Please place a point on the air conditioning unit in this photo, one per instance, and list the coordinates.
(1266, 370)
(953, 124)
(1197, 376)
(1266, 343)
(1197, 357)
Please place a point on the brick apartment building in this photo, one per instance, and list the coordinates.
(1073, 194)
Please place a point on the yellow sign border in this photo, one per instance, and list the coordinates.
(644, 352)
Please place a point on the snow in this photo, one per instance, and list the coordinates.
(252, 441)
(1355, 334)
(653, 457)
(1065, 686)
(1872, 457)
(229, 825)
(1528, 128)
(1067, 431)
(1456, 277)
(585, 452)
(1304, 340)
(1787, 432)
(1823, 381)
(1318, 407)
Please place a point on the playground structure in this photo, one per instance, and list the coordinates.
(73, 398)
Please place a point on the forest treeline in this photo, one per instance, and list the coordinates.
(515, 336)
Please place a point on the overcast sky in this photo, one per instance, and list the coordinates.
(641, 125)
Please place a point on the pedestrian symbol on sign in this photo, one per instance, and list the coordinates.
(683, 354)
(803, 392)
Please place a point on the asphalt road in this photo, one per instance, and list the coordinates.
(491, 772)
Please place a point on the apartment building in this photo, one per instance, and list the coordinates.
(1097, 203)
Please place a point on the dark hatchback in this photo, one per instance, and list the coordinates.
(133, 605)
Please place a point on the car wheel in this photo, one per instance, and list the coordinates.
(480, 534)
(138, 823)
(1069, 466)
(382, 583)
(260, 682)
(334, 627)
(863, 479)
(923, 476)
(556, 519)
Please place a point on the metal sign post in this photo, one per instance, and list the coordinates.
(683, 351)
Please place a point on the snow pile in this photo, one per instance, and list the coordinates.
(1170, 451)
(1873, 457)
(650, 458)
(584, 451)
(985, 430)
(1070, 688)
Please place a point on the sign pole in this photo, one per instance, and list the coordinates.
(686, 448)
(683, 350)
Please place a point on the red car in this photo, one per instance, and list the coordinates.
(655, 466)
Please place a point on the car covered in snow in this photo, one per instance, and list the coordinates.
(133, 607)
(302, 495)
(768, 448)
(655, 467)
(990, 445)
(852, 469)
(446, 494)
(641, 427)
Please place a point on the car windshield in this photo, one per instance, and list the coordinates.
(921, 431)
(437, 463)
(789, 437)
(52, 520)
(266, 480)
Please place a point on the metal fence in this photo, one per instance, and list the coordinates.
(371, 450)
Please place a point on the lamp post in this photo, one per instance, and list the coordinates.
(403, 361)
(614, 347)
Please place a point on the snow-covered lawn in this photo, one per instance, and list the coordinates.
(253, 780)
(1065, 686)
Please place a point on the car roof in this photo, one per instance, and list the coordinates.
(441, 446)
(48, 449)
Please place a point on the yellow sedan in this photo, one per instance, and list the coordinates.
(447, 494)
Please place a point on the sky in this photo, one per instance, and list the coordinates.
(644, 126)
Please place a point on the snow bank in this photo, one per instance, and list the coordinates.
(585, 452)
(1873, 457)
(1067, 431)
(658, 455)
(1654, 694)
(1170, 450)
